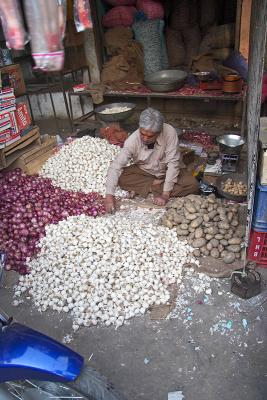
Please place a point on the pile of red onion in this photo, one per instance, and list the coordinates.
(200, 137)
(27, 205)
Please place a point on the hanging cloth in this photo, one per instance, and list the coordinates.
(12, 23)
(46, 21)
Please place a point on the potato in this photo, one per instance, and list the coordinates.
(191, 217)
(199, 243)
(224, 242)
(178, 219)
(184, 226)
(199, 233)
(234, 222)
(205, 251)
(219, 236)
(212, 214)
(223, 225)
(182, 232)
(190, 208)
(214, 242)
(197, 253)
(209, 236)
(214, 253)
(233, 248)
(167, 223)
(206, 218)
(235, 240)
(209, 246)
(220, 248)
(229, 258)
(197, 222)
(213, 230)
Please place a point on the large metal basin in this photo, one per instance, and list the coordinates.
(166, 80)
(115, 117)
(230, 143)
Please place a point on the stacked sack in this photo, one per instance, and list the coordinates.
(183, 35)
(148, 30)
(127, 59)
(145, 17)
(122, 14)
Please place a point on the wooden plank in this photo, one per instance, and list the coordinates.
(33, 131)
(25, 143)
(48, 143)
(245, 28)
(255, 71)
(238, 24)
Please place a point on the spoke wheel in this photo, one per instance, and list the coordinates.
(89, 385)
(33, 390)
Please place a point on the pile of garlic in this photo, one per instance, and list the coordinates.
(82, 165)
(104, 270)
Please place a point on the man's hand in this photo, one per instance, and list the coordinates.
(161, 200)
(110, 203)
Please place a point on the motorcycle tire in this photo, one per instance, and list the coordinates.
(89, 385)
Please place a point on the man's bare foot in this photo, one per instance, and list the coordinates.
(131, 194)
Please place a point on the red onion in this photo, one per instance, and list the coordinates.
(27, 204)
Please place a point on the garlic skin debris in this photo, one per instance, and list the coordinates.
(82, 165)
(104, 270)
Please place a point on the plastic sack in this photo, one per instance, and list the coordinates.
(150, 34)
(121, 2)
(82, 15)
(119, 16)
(46, 21)
(12, 24)
(152, 9)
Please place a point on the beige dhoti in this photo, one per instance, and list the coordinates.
(134, 179)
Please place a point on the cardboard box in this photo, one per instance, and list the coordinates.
(23, 117)
(15, 77)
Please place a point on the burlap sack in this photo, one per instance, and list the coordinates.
(192, 38)
(117, 38)
(208, 13)
(219, 37)
(184, 14)
(115, 69)
(175, 47)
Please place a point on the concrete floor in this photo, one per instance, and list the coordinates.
(212, 347)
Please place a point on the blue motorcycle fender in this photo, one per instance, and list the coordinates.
(28, 354)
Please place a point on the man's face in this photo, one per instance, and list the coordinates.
(148, 137)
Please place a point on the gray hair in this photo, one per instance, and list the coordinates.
(151, 120)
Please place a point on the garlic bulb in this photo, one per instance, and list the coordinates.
(104, 270)
(82, 165)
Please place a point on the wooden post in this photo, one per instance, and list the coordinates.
(257, 42)
(244, 27)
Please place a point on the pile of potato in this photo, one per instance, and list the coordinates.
(209, 225)
(236, 188)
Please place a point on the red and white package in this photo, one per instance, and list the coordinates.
(82, 15)
(23, 117)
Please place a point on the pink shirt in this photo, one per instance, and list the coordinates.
(161, 161)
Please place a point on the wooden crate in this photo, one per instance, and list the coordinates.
(11, 153)
(32, 161)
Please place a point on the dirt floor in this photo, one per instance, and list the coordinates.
(211, 346)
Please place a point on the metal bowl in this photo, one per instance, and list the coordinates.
(230, 143)
(166, 80)
(203, 76)
(115, 117)
(234, 177)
